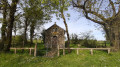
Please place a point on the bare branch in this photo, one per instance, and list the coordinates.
(118, 14)
(113, 17)
(93, 12)
(113, 7)
(100, 5)
(89, 11)
(96, 14)
(119, 9)
(76, 5)
(96, 21)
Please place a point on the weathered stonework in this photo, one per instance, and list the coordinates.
(54, 36)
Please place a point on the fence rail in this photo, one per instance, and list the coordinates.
(91, 50)
(22, 48)
(87, 48)
(35, 49)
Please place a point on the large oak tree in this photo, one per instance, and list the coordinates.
(105, 13)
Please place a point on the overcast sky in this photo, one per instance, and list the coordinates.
(77, 24)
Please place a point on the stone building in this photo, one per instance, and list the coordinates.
(55, 36)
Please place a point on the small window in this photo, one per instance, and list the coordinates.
(54, 29)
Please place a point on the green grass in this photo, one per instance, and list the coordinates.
(84, 59)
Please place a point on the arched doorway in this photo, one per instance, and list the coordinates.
(54, 42)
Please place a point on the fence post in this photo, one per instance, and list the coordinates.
(30, 51)
(23, 46)
(77, 51)
(58, 51)
(108, 50)
(63, 51)
(91, 50)
(15, 50)
(35, 50)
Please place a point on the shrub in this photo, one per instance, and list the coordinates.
(89, 43)
(17, 40)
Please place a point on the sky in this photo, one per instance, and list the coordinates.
(78, 24)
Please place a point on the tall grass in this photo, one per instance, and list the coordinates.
(84, 59)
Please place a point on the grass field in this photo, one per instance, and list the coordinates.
(84, 59)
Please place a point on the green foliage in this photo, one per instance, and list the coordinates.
(87, 40)
(1, 20)
(17, 39)
(59, 6)
(74, 39)
(89, 43)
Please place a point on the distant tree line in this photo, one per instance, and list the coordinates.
(85, 39)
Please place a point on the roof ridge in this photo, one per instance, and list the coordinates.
(55, 25)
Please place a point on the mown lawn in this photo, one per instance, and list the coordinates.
(84, 59)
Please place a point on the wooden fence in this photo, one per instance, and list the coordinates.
(35, 49)
(77, 49)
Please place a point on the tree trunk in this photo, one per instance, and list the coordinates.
(10, 24)
(68, 42)
(32, 31)
(25, 30)
(113, 32)
(4, 24)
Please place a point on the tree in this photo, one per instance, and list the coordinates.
(4, 23)
(9, 9)
(33, 15)
(104, 12)
(26, 22)
(74, 39)
(40, 14)
(87, 39)
(11, 19)
(26, 28)
(60, 7)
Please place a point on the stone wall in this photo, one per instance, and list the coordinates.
(54, 31)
